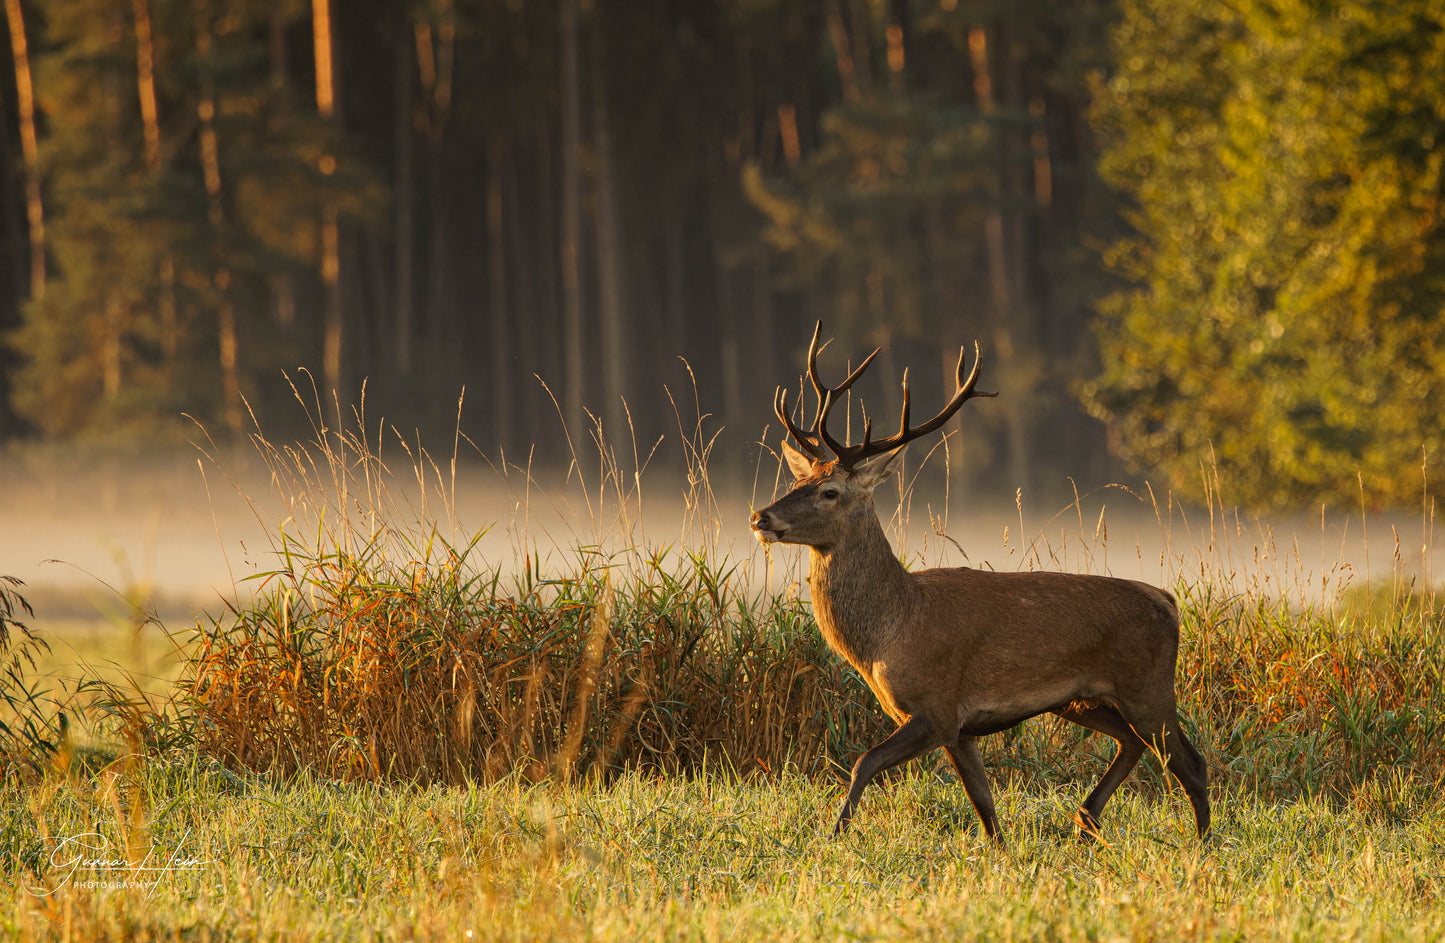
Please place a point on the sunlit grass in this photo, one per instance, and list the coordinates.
(714, 858)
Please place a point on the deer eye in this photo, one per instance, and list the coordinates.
(830, 493)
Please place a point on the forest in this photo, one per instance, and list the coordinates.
(1188, 234)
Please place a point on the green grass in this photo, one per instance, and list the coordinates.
(712, 858)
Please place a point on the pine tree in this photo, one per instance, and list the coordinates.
(185, 184)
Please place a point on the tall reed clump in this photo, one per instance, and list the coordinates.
(1325, 683)
(1321, 700)
(384, 647)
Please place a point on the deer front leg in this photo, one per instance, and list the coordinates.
(914, 738)
(968, 761)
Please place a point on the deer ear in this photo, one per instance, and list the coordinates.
(799, 464)
(875, 471)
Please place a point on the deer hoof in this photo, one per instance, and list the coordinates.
(1088, 826)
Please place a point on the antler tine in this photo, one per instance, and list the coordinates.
(905, 434)
(844, 452)
(808, 442)
(813, 349)
(967, 385)
(907, 397)
(963, 394)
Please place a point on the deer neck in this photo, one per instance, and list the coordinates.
(861, 593)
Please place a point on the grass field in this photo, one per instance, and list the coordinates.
(392, 738)
(708, 858)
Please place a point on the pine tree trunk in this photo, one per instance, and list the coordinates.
(150, 120)
(283, 288)
(862, 46)
(675, 271)
(332, 325)
(729, 346)
(897, 34)
(29, 147)
(762, 354)
(1001, 274)
(528, 319)
(146, 83)
(548, 359)
(612, 306)
(403, 325)
(227, 341)
(499, 314)
(110, 345)
(571, 230)
(230, 371)
(434, 63)
(842, 54)
(549, 356)
(277, 55)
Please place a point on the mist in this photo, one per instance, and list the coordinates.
(186, 532)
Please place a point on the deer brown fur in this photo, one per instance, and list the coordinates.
(958, 653)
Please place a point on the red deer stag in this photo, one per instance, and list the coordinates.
(956, 654)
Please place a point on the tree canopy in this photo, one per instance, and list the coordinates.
(1284, 321)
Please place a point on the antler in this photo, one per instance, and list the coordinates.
(816, 439)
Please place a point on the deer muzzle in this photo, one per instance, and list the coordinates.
(767, 528)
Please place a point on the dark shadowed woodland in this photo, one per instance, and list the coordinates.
(1184, 234)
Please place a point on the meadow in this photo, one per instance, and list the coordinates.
(396, 735)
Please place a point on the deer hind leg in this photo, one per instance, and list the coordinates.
(1182, 760)
(914, 738)
(1108, 721)
(1192, 772)
(968, 761)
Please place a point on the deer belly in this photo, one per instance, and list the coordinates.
(984, 724)
(979, 718)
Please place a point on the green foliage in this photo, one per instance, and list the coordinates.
(1286, 321)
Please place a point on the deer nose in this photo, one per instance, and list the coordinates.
(760, 521)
